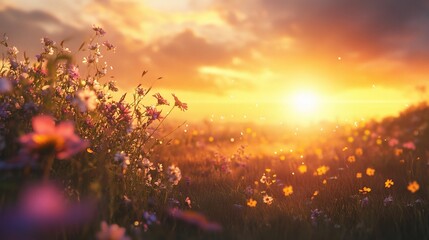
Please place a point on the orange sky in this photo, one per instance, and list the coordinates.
(250, 60)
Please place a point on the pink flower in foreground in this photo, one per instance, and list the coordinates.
(111, 232)
(153, 113)
(48, 138)
(161, 100)
(178, 103)
(196, 219)
(409, 145)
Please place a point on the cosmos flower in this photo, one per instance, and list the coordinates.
(86, 100)
(288, 190)
(302, 168)
(413, 186)
(365, 190)
(161, 100)
(351, 159)
(321, 170)
(153, 113)
(251, 202)
(370, 172)
(267, 199)
(389, 183)
(48, 138)
(179, 104)
(111, 232)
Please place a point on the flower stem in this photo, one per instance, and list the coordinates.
(48, 166)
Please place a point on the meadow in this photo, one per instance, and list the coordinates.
(78, 163)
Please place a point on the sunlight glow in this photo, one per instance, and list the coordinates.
(305, 102)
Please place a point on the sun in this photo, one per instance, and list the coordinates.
(305, 102)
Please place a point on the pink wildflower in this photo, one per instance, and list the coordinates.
(48, 138)
(409, 145)
(161, 100)
(178, 103)
(111, 232)
(153, 113)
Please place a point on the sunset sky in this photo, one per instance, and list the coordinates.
(277, 61)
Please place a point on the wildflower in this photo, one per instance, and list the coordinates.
(111, 232)
(359, 151)
(196, 219)
(359, 175)
(123, 159)
(288, 190)
(188, 202)
(413, 186)
(388, 183)
(150, 218)
(388, 200)
(153, 113)
(73, 72)
(316, 193)
(251, 202)
(47, 42)
(174, 174)
(364, 202)
(370, 172)
(351, 159)
(161, 100)
(321, 170)
(98, 30)
(5, 85)
(398, 151)
(48, 138)
(365, 190)
(179, 104)
(302, 169)
(12, 51)
(268, 199)
(109, 46)
(409, 145)
(86, 100)
(393, 142)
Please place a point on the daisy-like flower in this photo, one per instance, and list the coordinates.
(268, 199)
(251, 202)
(322, 170)
(359, 175)
(288, 190)
(351, 159)
(111, 232)
(48, 138)
(370, 172)
(302, 168)
(86, 100)
(389, 183)
(413, 186)
(365, 190)
(161, 100)
(179, 104)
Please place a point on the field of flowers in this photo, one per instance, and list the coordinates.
(77, 163)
